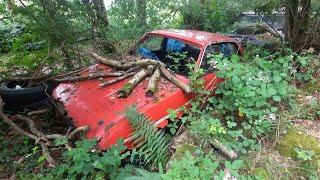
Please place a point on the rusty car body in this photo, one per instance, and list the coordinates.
(100, 108)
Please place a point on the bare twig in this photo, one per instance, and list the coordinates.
(125, 76)
(78, 130)
(41, 111)
(32, 127)
(45, 152)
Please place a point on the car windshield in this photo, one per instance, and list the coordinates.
(174, 53)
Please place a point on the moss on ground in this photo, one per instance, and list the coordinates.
(261, 173)
(296, 138)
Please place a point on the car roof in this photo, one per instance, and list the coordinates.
(201, 38)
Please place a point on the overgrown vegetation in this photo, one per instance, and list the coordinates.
(262, 123)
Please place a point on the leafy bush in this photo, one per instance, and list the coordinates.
(85, 162)
(192, 167)
(7, 35)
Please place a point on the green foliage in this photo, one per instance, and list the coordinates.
(214, 16)
(142, 174)
(173, 124)
(14, 147)
(252, 90)
(304, 154)
(85, 162)
(153, 143)
(55, 21)
(7, 36)
(192, 166)
(261, 173)
(177, 58)
(123, 17)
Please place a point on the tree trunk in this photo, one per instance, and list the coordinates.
(297, 18)
(141, 6)
(101, 13)
(97, 14)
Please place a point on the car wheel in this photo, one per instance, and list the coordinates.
(17, 96)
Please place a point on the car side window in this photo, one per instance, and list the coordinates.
(153, 43)
(226, 49)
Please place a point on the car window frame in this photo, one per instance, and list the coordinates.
(211, 43)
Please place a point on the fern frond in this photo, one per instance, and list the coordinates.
(154, 143)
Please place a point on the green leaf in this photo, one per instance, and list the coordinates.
(277, 78)
(41, 159)
(276, 98)
(272, 91)
(237, 164)
(274, 109)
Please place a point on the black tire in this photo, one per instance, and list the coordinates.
(19, 99)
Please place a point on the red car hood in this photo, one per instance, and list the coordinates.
(103, 111)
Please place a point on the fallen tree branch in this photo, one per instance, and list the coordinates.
(38, 136)
(142, 63)
(32, 127)
(46, 153)
(124, 64)
(125, 76)
(229, 153)
(23, 79)
(152, 84)
(88, 77)
(174, 80)
(70, 73)
(78, 130)
(128, 87)
(12, 125)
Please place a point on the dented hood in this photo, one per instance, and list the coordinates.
(100, 108)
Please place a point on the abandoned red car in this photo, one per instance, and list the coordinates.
(103, 112)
